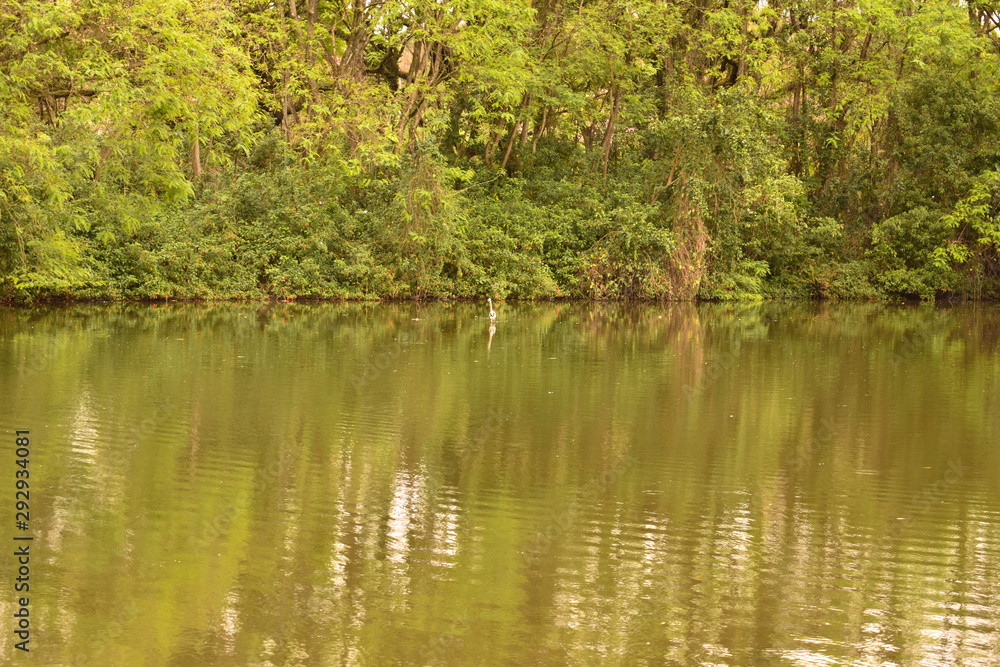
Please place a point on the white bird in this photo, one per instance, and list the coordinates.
(493, 313)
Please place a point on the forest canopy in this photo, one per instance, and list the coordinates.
(647, 149)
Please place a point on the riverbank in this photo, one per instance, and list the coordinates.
(285, 232)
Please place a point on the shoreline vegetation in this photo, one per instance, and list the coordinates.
(604, 150)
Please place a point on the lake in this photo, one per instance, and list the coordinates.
(393, 484)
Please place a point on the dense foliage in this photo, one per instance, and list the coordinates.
(720, 149)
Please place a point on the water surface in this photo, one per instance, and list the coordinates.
(591, 484)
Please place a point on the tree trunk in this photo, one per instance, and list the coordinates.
(196, 158)
(609, 132)
(491, 146)
(510, 145)
(539, 129)
(105, 153)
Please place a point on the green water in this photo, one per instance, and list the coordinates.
(392, 485)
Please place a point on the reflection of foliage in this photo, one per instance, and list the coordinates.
(724, 503)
